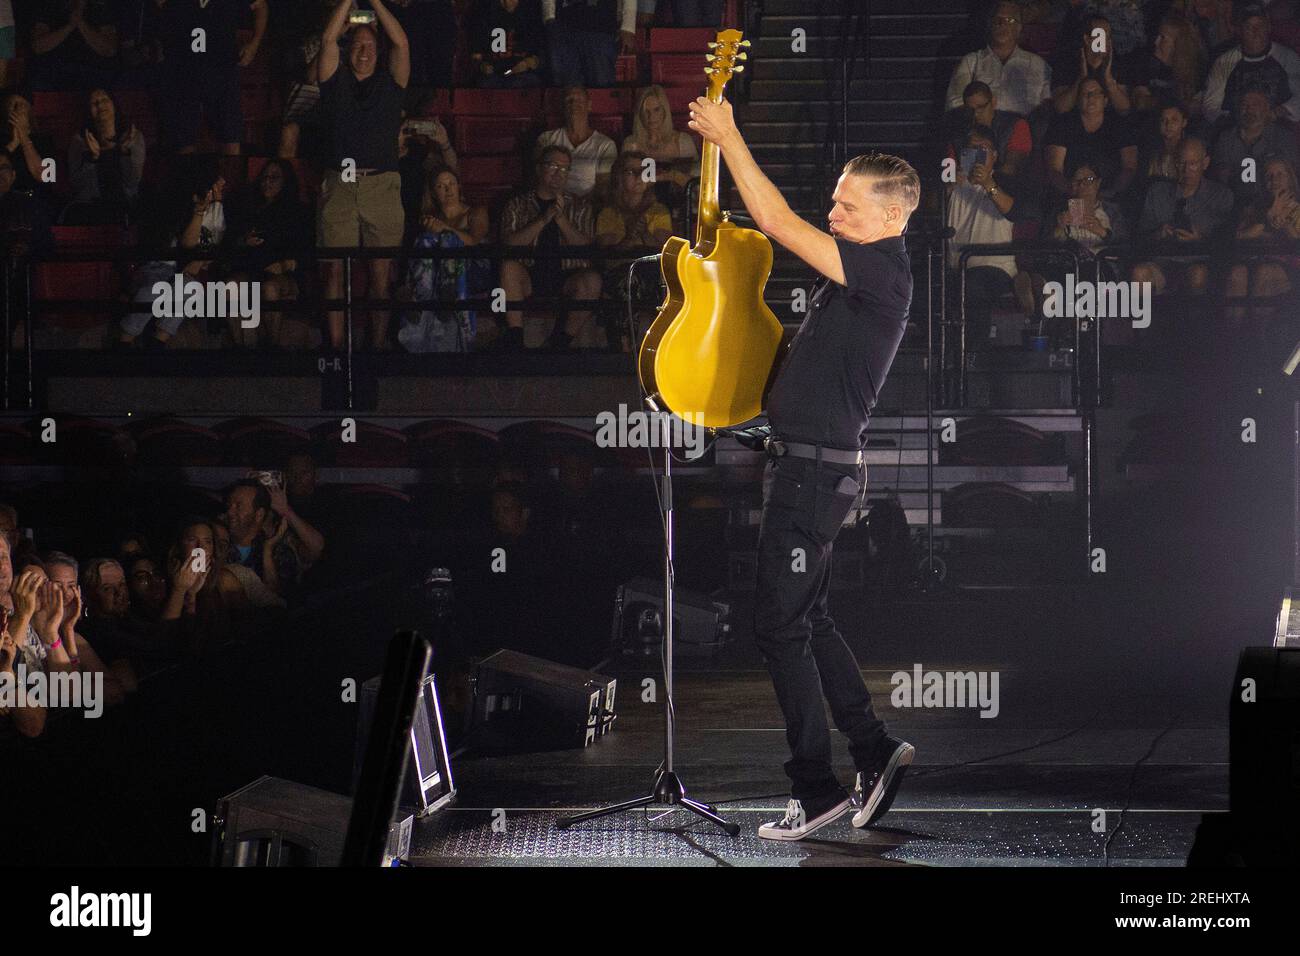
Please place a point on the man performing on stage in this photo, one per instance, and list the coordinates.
(817, 412)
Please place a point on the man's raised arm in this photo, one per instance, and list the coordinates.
(328, 61)
(399, 57)
(772, 214)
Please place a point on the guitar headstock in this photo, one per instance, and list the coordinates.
(725, 56)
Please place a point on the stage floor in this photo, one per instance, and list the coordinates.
(1080, 772)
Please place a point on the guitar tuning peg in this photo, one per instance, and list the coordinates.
(742, 56)
(709, 71)
(744, 43)
(738, 69)
(712, 45)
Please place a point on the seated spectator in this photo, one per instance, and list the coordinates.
(1093, 135)
(548, 217)
(1011, 132)
(1096, 60)
(1020, 79)
(1255, 62)
(423, 147)
(18, 140)
(119, 679)
(1256, 136)
(1172, 71)
(148, 588)
(248, 515)
(592, 151)
(105, 163)
(1192, 210)
(446, 222)
(982, 209)
(633, 220)
(584, 38)
(8, 41)
(24, 221)
(363, 115)
(511, 59)
(677, 160)
(203, 229)
(270, 228)
(1212, 21)
(1274, 213)
(205, 82)
(430, 28)
(1164, 153)
(1087, 218)
(204, 595)
(74, 44)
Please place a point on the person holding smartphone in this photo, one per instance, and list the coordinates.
(983, 207)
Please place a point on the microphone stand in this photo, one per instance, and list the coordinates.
(667, 789)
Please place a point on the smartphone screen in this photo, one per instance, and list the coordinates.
(1076, 212)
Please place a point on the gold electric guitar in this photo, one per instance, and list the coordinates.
(709, 353)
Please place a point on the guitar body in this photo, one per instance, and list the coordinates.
(710, 351)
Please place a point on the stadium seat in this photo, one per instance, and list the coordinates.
(54, 281)
(175, 443)
(489, 135)
(81, 441)
(1039, 38)
(58, 116)
(375, 446)
(677, 69)
(491, 170)
(474, 102)
(681, 40)
(257, 442)
(451, 445)
(136, 106)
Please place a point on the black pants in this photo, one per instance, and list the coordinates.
(803, 508)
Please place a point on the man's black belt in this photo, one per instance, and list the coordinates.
(776, 448)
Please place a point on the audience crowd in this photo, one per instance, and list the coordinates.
(174, 91)
(1165, 130)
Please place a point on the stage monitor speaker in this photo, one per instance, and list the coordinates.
(1264, 731)
(700, 625)
(521, 701)
(275, 822)
(427, 784)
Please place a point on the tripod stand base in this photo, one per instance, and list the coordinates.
(668, 792)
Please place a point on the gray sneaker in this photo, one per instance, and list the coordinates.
(799, 823)
(874, 790)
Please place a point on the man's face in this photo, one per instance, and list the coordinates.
(1253, 110)
(1255, 38)
(244, 519)
(1192, 163)
(1172, 124)
(859, 215)
(111, 597)
(981, 107)
(363, 55)
(300, 476)
(1006, 24)
(576, 103)
(553, 171)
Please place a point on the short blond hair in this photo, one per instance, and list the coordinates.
(892, 178)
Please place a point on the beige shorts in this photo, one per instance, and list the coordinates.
(367, 212)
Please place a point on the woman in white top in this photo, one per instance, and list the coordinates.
(677, 160)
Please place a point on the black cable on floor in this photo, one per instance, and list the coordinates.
(1128, 793)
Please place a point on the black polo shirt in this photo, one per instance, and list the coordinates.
(363, 118)
(837, 363)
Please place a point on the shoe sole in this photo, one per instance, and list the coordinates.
(829, 817)
(899, 761)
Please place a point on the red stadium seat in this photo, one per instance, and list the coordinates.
(136, 106)
(58, 116)
(612, 126)
(488, 135)
(92, 237)
(1039, 38)
(170, 441)
(472, 102)
(260, 442)
(682, 40)
(677, 69)
(52, 281)
(627, 68)
(446, 444)
(375, 447)
(491, 170)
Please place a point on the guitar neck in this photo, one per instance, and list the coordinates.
(710, 212)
